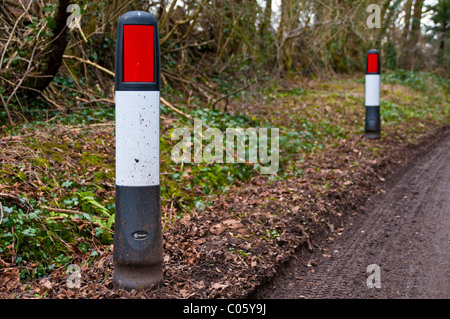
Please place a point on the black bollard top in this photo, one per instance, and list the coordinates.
(137, 66)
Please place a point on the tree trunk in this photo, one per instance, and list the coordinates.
(266, 19)
(415, 26)
(385, 20)
(412, 49)
(408, 6)
(443, 55)
(49, 61)
(404, 57)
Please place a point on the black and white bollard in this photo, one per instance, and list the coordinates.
(373, 120)
(138, 253)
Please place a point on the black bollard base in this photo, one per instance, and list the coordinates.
(138, 249)
(372, 125)
(139, 278)
(372, 135)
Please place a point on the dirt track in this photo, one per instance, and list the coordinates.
(405, 231)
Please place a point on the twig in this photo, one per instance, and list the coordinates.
(29, 67)
(192, 45)
(21, 86)
(174, 108)
(1, 213)
(68, 211)
(11, 3)
(185, 35)
(73, 77)
(228, 40)
(229, 94)
(84, 127)
(90, 63)
(320, 49)
(165, 15)
(24, 204)
(7, 110)
(26, 10)
(60, 210)
(123, 6)
(196, 85)
(178, 23)
(58, 107)
(81, 30)
(10, 37)
(5, 15)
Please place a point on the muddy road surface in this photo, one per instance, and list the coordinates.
(398, 248)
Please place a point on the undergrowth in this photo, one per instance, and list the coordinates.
(57, 170)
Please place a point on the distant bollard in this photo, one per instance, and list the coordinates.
(138, 253)
(373, 120)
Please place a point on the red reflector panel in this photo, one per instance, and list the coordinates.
(372, 63)
(138, 53)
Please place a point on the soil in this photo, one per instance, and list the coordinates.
(404, 229)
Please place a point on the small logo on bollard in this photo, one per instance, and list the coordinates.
(139, 235)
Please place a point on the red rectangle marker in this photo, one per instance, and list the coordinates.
(139, 53)
(372, 63)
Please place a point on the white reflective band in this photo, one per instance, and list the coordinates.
(137, 138)
(372, 90)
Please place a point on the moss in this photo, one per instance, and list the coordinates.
(101, 177)
(22, 175)
(52, 150)
(55, 146)
(92, 159)
(40, 161)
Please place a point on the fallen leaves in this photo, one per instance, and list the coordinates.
(9, 278)
(45, 283)
(229, 224)
(219, 286)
